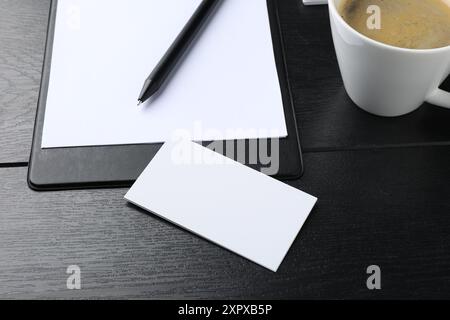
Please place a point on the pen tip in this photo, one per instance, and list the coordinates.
(139, 102)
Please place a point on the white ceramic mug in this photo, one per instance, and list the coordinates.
(386, 80)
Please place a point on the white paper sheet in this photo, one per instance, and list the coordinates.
(103, 50)
(223, 201)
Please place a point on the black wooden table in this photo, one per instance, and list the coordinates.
(383, 187)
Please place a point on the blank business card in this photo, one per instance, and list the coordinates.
(223, 201)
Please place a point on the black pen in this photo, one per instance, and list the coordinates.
(176, 51)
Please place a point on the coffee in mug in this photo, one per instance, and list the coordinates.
(411, 24)
(393, 80)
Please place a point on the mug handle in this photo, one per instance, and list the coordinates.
(439, 98)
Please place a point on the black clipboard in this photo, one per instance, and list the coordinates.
(120, 165)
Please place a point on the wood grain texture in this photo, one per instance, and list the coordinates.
(23, 25)
(386, 207)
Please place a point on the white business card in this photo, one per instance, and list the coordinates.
(223, 201)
